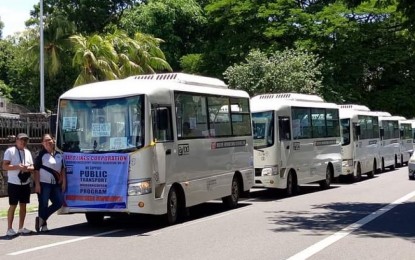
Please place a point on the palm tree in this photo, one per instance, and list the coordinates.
(139, 55)
(56, 45)
(116, 56)
(96, 57)
(150, 56)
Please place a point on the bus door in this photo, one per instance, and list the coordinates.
(164, 143)
(285, 139)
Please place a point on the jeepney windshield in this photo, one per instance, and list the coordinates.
(107, 125)
(345, 126)
(263, 125)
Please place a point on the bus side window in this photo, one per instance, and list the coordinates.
(284, 128)
(163, 126)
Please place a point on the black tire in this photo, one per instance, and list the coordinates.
(231, 201)
(394, 165)
(325, 184)
(371, 174)
(291, 184)
(358, 176)
(94, 218)
(173, 206)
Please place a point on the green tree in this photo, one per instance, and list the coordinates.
(96, 58)
(5, 91)
(280, 72)
(1, 28)
(180, 23)
(234, 28)
(21, 77)
(89, 16)
(191, 63)
(56, 34)
(116, 56)
(6, 51)
(138, 55)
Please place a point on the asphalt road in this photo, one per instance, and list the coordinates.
(372, 219)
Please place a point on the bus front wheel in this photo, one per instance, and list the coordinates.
(325, 184)
(358, 176)
(371, 174)
(172, 206)
(291, 184)
(94, 218)
(395, 164)
(231, 201)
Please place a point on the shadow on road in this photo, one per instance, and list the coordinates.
(397, 222)
(139, 225)
(265, 195)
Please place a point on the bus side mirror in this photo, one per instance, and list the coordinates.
(52, 124)
(401, 133)
(382, 133)
(162, 118)
(357, 130)
(284, 124)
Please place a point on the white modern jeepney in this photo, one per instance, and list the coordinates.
(296, 141)
(154, 144)
(360, 141)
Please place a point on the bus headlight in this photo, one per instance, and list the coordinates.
(268, 171)
(140, 188)
(347, 163)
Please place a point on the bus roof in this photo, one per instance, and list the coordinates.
(352, 111)
(382, 113)
(289, 96)
(152, 85)
(266, 102)
(411, 121)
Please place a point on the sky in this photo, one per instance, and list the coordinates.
(13, 14)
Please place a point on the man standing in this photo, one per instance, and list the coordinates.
(18, 163)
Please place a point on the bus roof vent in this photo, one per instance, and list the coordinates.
(292, 96)
(355, 107)
(184, 79)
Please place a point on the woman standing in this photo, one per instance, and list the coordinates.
(50, 181)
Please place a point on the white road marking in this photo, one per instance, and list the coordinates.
(317, 247)
(63, 242)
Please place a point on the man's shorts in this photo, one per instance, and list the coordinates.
(18, 193)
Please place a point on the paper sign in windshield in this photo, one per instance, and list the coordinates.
(69, 123)
(101, 129)
(117, 143)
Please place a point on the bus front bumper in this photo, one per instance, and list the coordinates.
(347, 167)
(139, 204)
(273, 181)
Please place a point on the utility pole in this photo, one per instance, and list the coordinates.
(42, 69)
